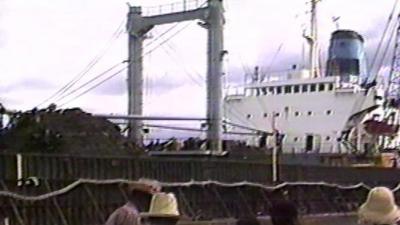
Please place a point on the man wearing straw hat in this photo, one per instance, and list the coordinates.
(379, 208)
(139, 196)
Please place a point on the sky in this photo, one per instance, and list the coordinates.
(44, 44)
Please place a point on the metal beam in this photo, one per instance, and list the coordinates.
(200, 13)
(215, 25)
(135, 75)
(140, 117)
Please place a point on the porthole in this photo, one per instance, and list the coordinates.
(309, 113)
(296, 113)
(328, 138)
(328, 112)
(265, 114)
(248, 116)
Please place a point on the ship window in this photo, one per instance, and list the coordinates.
(312, 87)
(309, 113)
(248, 116)
(295, 139)
(328, 112)
(321, 87)
(297, 113)
(277, 114)
(278, 90)
(265, 114)
(296, 89)
(264, 91)
(288, 89)
(330, 87)
(304, 88)
(271, 90)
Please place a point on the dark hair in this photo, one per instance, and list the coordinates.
(283, 212)
(141, 199)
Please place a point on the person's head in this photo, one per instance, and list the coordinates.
(141, 192)
(379, 208)
(283, 212)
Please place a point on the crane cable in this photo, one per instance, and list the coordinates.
(121, 70)
(116, 34)
(388, 23)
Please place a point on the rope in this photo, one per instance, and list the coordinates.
(75, 184)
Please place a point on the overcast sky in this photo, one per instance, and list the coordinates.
(44, 44)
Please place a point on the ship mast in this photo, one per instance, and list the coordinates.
(313, 41)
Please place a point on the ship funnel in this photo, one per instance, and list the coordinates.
(346, 57)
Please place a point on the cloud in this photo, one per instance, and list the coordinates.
(28, 83)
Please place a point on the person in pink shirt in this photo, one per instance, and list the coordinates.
(139, 197)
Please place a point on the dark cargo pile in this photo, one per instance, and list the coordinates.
(69, 131)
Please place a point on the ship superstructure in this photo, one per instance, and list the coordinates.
(339, 110)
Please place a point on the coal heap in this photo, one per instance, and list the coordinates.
(68, 131)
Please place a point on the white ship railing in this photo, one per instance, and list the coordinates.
(348, 84)
(175, 7)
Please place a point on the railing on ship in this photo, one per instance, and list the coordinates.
(183, 5)
(341, 84)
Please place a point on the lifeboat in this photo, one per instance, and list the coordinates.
(375, 127)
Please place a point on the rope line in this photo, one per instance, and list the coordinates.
(79, 182)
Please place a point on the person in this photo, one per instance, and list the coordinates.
(139, 196)
(283, 211)
(379, 208)
(163, 210)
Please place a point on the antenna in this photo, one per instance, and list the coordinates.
(335, 20)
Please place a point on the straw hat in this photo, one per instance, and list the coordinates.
(163, 205)
(379, 208)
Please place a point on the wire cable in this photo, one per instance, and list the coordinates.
(116, 34)
(388, 23)
(88, 82)
(118, 72)
(95, 86)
